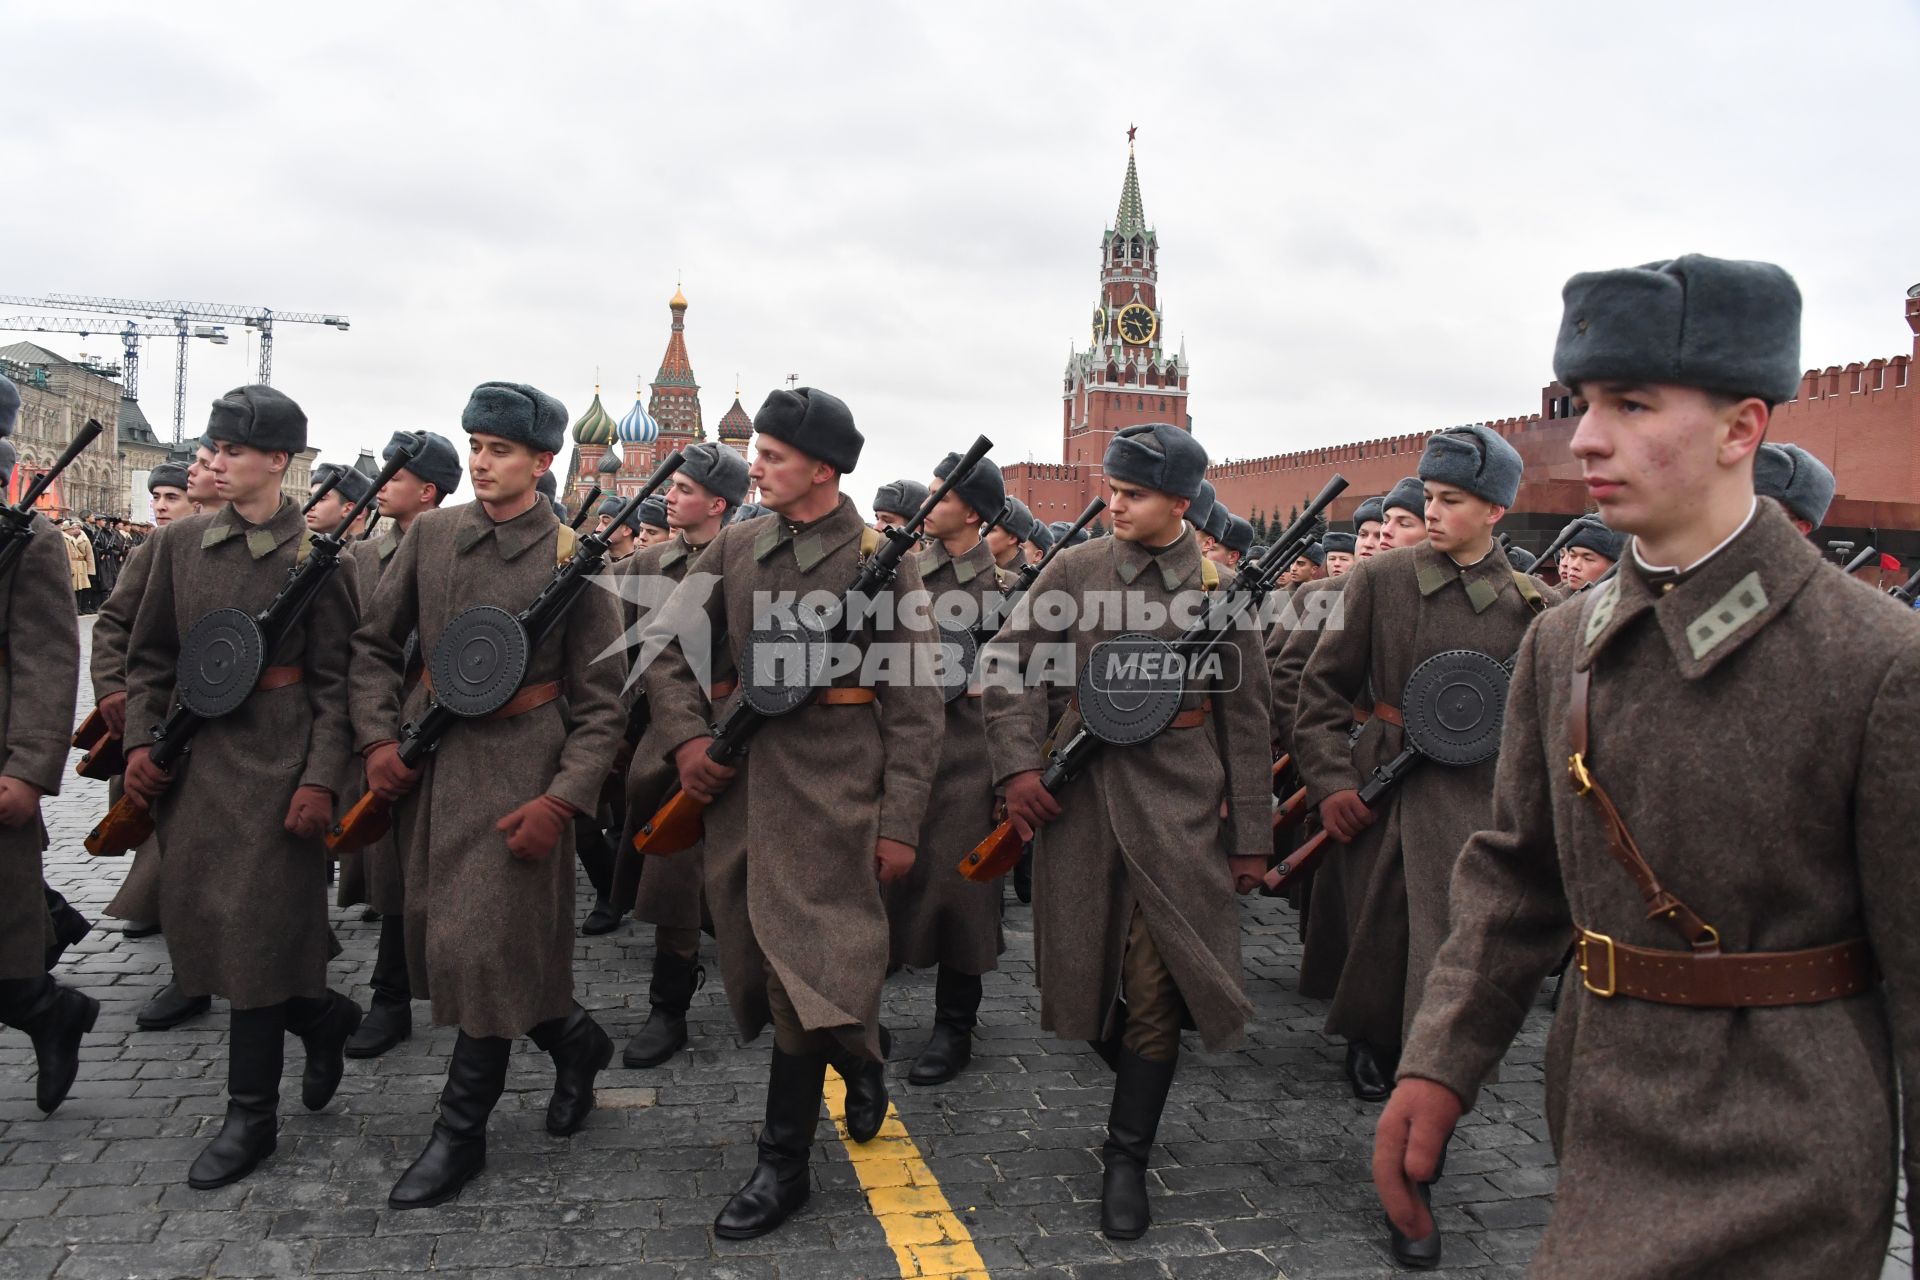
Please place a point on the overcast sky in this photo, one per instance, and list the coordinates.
(1365, 212)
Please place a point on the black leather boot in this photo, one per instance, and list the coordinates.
(1424, 1254)
(675, 979)
(866, 1090)
(1368, 1072)
(1023, 876)
(170, 1007)
(580, 1050)
(476, 1076)
(779, 1184)
(390, 1018)
(256, 1047)
(69, 926)
(956, 1008)
(324, 1025)
(1109, 1047)
(55, 1018)
(1139, 1095)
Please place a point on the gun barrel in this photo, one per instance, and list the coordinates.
(586, 505)
(1859, 562)
(326, 487)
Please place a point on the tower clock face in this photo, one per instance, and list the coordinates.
(1137, 323)
(1099, 323)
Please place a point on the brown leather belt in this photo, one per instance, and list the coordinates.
(1388, 712)
(280, 677)
(529, 697)
(837, 697)
(1723, 980)
(722, 690)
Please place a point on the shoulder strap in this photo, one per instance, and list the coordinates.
(1530, 592)
(869, 540)
(1661, 904)
(306, 547)
(565, 545)
(1209, 575)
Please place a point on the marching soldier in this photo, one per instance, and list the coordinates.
(1797, 480)
(1008, 532)
(376, 875)
(1233, 547)
(1061, 528)
(1453, 591)
(1138, 859)
(654, 528)
(1590, 554)
(938, 918)
(1039, 541)
(327, 513)
(1339, 551)
(796, 853)
(40, 639)
(202, 492)
(1721, 1091)
(710, 484)
(490, 867)
(898, 502)
(138, 902)
(242, 818)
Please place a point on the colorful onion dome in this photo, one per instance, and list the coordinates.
(596, 426)
(638, 427)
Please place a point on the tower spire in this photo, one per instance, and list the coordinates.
(1130, 220)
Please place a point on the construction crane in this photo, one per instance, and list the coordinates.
(129, 334)
(260, 319)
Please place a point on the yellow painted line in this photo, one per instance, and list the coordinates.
(926, 1235)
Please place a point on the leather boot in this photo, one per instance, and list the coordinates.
(324, 1025)
(256, 1047)
(956, 1008)
(779, 1184)
(390, 1019)
(1139, 1095)
(1421, 1255)
(170, 1007)
(675, 979)
(476, 1076)
(1108, 1047)
(69, 926)
(866, 1090)
(1368, 1072)
(139, 928)
(580, 1050)
(602, 919)
(55, 1018)
(1023, 876)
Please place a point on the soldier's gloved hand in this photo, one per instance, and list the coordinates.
(311, 812)
(1344, 816)
(113, 709)
(387, 775)
(1413, 1131)
(701, 777)
(19, 801)
(891, 859)
(1030, 805)
(145, 780)
(535, 827)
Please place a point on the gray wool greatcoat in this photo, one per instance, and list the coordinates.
(936, 915)
(139, 896)
(376, 875)
(1758, 727)
(1399, 608)
(672, 891)
(1143, 826)
(39, 683)
(244, 899)
(490, 935)
(790, 843)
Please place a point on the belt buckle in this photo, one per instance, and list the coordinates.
(1582, 780)
(1587, 937)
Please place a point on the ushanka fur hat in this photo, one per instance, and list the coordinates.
(817, 424)
(1800, 481)
(982, 488)
(1594, 535)
(438, 464)
(1476, 459)
(1201, 507)
(1159, 456)
(260, 418)
(902, 498)
(1407, 495)
(518, 412)
(717, 469)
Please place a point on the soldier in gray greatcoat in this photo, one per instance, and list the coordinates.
(490, 866)
(1137, 859)
(1710, 778)
(937, 917)
(243, 817)
(376, 875)
(39, 678)
(701, 499)
(796, 854)
(1798, 481)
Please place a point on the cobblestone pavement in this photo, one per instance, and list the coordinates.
(1262, 1168)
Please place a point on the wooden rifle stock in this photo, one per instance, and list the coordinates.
(1295, 864)
(678, 824)
(1280, 765)
(1292, 811)
(993, 857)
(368, 820)
(126, 826)
(104, 758)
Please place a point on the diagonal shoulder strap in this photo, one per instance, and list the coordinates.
(1700, 935)
(1530, 592)
(1209, 575)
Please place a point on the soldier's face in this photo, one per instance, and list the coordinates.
(1033, 552)
(1401, 528)
(888, 520)
(690, 505)
(1367, 540)
(504, 471)
(950, 517)
(1457, 520)
(1338, 562)
(622, 540)
(784, 475)
(1657, 458)
(241, 473)
(651, 534)
(1579, 566)
(406, 496)
(999, 542)
(1145, 515)
(327, 513)
(168, 504)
